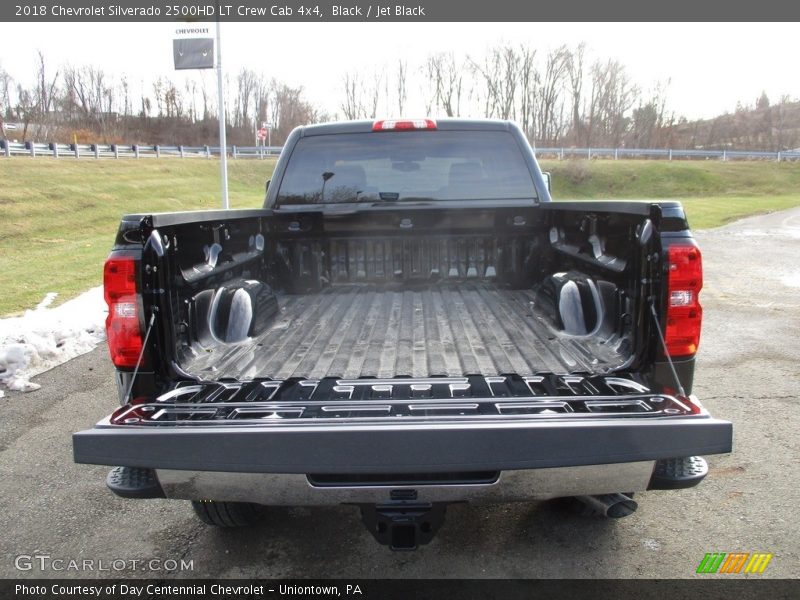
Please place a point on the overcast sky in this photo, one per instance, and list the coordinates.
(711, 66)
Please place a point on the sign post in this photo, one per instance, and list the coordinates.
(223, 143)
(193, 52)
(265, 133)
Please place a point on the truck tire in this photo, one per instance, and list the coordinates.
(227, 514)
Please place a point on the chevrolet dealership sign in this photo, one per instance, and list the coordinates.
(191, 50)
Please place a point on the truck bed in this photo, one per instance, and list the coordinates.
(446, 329)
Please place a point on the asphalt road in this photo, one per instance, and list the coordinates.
(748, 372)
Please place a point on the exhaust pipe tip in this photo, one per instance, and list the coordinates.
(623, 506)
(614, 506)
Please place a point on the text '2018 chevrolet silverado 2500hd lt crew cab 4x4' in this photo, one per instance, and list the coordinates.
(410, 321)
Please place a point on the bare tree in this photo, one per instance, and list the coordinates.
(247, 84)
(207, 110)
(46, 90)
(445, 74)
(362, 95)
(25, 109)
(34, 105)
(499, 73)
(529, 85)
(158, 93)
(353, 105)
(400, 86)
(126, 96)
(173, 101)
(261, 98)
(147, 105)
(374, 92)
(649, 120)
(612, 97)
(576, 75)
(6, 83)
(289, 110)
(781, 141)
(549, 97)
(90, 98)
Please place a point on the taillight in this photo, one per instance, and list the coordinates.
(122, 324)
(405, 125)
(684, 313)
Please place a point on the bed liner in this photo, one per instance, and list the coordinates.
(449, 329)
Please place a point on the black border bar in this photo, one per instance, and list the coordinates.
(711, 587)
(403, 11)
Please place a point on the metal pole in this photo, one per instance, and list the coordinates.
(223, 152)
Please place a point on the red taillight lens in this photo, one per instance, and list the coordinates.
(405, 125)
(122, 324)
(684, 313)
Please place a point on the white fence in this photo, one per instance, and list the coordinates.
(35, 149)
(667, 154)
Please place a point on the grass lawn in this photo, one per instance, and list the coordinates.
(712, 192)
(59, 216)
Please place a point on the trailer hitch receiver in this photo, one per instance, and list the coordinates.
(403, 526)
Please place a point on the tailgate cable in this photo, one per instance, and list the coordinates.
(664, 346)
(126, 398)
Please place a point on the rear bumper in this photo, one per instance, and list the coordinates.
(402, 448)
(285, 489)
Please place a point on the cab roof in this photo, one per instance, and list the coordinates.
(446, 124)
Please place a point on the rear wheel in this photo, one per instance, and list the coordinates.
(227, 514)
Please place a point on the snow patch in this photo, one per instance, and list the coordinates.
(792, 280)
(790, 232)
(651, 544)
(47, 301)
(45, 337)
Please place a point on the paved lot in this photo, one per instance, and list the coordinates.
(748, 372)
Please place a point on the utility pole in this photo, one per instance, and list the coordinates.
(223, 144)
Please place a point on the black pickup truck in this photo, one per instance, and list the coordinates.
(408, 322)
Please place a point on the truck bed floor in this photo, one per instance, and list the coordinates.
(355, 331)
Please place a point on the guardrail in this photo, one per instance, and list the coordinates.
(666, 154)
(35, 149)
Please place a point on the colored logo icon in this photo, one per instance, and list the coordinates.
(734, 562)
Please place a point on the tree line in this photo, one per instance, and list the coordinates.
(88, 104)
(560, 97)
